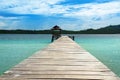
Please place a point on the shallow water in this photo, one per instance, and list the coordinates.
(14, 48)
(105, 47)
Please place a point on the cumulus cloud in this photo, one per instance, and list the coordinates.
(95, 9)
(90, 14)
(8, 18)
(29, 6)
(2, 24)
(45, 7)
(96, 15)
(9, 22)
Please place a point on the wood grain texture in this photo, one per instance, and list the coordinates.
(61, 60)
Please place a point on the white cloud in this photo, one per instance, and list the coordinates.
(29, 6)
(2, 24)
(8, 18)
(91, 14)
(52, 1)
(95, 9)
(9, 22)
(50, 7)
(96, 15)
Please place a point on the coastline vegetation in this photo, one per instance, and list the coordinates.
(112, 29)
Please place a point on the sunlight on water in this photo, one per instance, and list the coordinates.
(105, 47)
(15, 48)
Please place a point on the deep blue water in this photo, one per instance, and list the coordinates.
(14, 48)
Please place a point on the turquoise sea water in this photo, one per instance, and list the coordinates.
(16, 47)
(105, 47)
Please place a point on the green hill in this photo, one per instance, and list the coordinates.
(112, 29)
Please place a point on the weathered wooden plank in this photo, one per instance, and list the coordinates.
(80, 77)
(61, 60)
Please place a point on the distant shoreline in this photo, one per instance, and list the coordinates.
(112, 29)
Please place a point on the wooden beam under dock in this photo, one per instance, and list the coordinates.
(61, 60)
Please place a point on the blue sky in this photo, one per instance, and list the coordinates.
(68, 14)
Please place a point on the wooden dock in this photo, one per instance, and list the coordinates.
(61, 60)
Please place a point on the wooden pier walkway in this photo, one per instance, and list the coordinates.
(61, 60)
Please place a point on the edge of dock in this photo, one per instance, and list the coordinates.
(63, 59)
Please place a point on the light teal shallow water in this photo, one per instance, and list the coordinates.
(16, 47)
(105, 47)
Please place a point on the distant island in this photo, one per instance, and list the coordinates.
(112, 29)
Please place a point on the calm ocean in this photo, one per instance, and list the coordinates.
(104, 47)
(16, 47)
